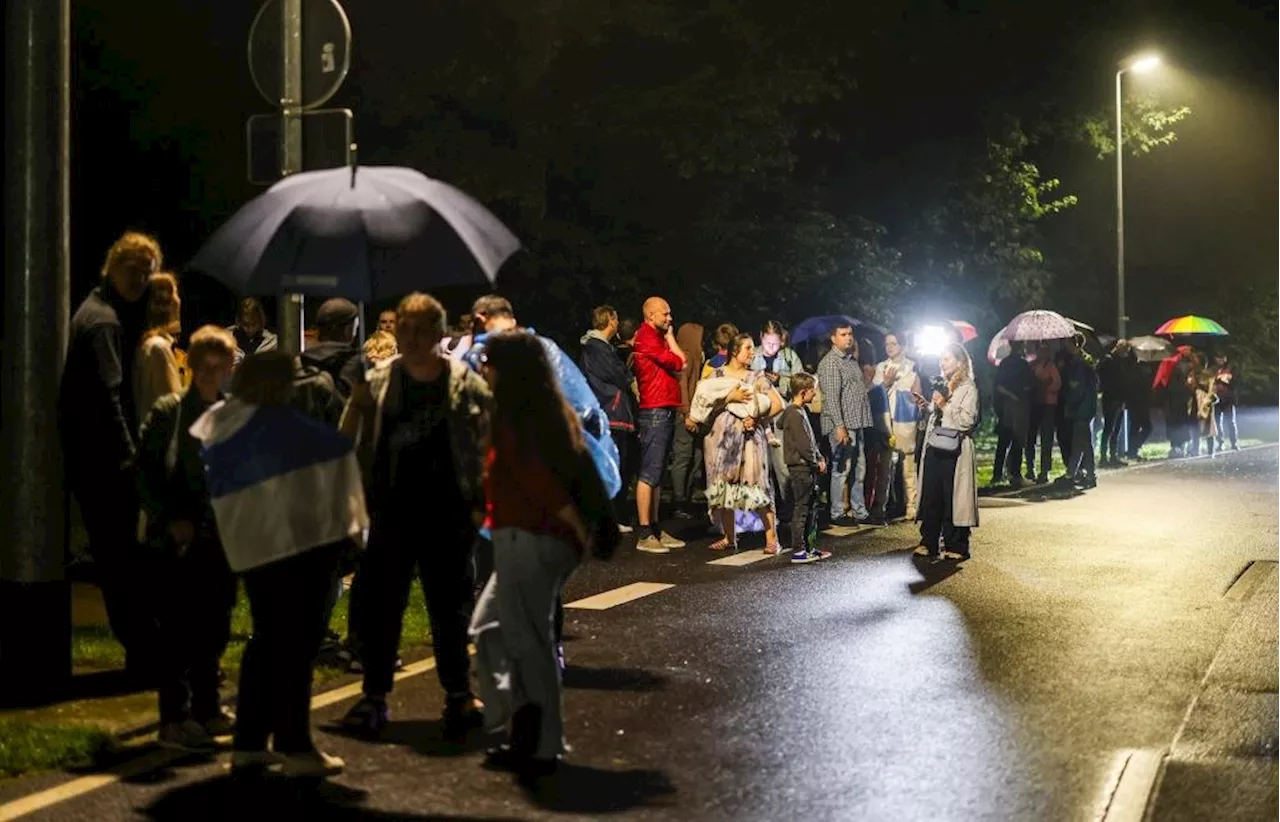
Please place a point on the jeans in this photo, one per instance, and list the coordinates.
(1082, 463)
(1227, 425)
(1112, 417)
(657, 426)
(937, 494)
(846, 460)
(197, 593)
(1043, 419)
(441, 554)
(804, 509)
(515, 634)
(286, 600)
(686, 463)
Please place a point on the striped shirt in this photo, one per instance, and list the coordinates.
(844, 394)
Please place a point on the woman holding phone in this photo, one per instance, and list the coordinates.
(948, 487)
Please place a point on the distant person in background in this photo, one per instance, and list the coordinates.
(775, 359)
(380, 346)
(1015, 384)
(1044, 414)
(1138, 402)
(250, 329)
(1175, 385)
(897, 378)
(98, 425)
(1079, 407)
(1113, 377)
(686, 450)
(723, 337)
(160, 368)
(335, 351)
(611, 383)
(387, 321)
(1224, 387)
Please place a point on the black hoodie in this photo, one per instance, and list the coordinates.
(339, 360)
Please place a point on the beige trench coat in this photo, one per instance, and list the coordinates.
(960, 413)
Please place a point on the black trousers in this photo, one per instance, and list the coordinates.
(804, 507)
(936, 494)
(287, 601)
(1112, 415)
(197, 592)
(628, 465)
(686, 462)
(1064, 428)
(1043, 422)
(442, 556)
(1011, 443)
(1139, 428)
(109, 508)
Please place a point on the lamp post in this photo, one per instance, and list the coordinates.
(1140, 65)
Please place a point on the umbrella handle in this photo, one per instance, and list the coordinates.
(352, 152)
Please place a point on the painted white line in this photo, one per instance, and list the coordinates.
(744, 558)
(156, 760)
(1134, 786)
(618, 596)
(1245, 584)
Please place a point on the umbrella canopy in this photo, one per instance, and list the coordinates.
(361, 233)
(966, 330)
(1191, 324)
(819, 328)
(1033, 326)
(1151, 349)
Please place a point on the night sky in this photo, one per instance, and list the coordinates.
(161, 99)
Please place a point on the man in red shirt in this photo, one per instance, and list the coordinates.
(657, 361)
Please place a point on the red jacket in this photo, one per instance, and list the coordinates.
(657, 369)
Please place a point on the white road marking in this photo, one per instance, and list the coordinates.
(1133, 786)
(847, 530)
(618, 596)
(744, 558)
(160, 758)
(1249, 580)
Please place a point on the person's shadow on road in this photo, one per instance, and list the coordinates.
(585, 790)
(276, 798)
(424, 737)
(612, 679)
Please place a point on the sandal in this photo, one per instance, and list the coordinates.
(722, 545)
(773, 549)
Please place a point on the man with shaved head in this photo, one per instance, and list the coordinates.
(657, 361)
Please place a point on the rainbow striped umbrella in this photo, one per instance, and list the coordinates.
(1191, 324)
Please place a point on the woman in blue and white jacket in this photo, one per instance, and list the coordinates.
(898, 379)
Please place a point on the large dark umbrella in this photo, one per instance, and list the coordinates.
(819, 328)
(363, 233)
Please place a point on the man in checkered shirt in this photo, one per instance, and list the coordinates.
(846, 413)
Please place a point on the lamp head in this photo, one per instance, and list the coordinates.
(1145, 64)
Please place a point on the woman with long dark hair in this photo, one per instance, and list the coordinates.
(536, 465)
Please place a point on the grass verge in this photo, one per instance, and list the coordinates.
(34, 745)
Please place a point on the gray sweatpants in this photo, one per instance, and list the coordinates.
(513, 628)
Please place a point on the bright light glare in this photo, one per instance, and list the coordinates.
(931, 339)
(1145, 64)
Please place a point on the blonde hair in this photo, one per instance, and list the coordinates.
(380, 346)
(965, 372)
(210, 341)
(164, 305)
(133, 249)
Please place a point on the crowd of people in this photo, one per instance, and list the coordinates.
(236, 461)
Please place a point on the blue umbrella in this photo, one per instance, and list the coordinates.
(363, 233)
(819, 328)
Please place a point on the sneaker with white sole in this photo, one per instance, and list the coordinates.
(802, 556)
(188, 736)
(314, 764)
(624, 529)
(222, 723)
(670, 541)
(652, 545)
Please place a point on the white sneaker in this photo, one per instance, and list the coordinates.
(253, 761)
(669, 541)
(312, 764)
(188, 736)
(624, 529)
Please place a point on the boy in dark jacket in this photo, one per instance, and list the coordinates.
(1079, 408)
(610, 381)
(804, 464)
(197, 590)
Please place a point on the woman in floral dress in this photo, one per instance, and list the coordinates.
(737, 450)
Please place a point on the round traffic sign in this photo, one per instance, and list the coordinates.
(326, 51)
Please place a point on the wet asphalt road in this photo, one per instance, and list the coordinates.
(860, 688)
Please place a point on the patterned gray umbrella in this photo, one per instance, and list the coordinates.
(1151, 349)
(1033, 326)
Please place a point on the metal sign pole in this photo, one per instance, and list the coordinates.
(290, 309)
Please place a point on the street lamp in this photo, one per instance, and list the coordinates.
(1140, 65)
